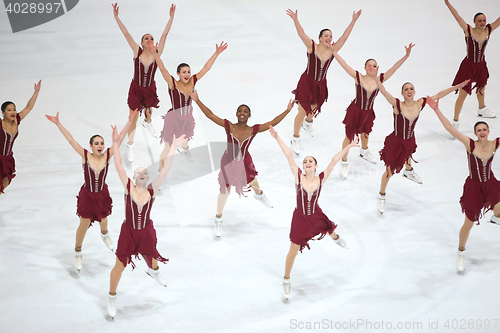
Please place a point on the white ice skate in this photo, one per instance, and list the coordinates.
(107, 240)
(411, 175)
(287, 287)
(218, 226)
(111, 306)
(381, 203)
(366, 155)
(149, 126)
(461, 260)
(485, 113)
(186, 153)
(295, 145)
(130, 152)
(344, 171)
(340, 242)
(308, 127)
(262, 198)
(155, 274)
(78, 260)
(495, 220)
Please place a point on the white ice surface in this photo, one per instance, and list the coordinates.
(400, 266)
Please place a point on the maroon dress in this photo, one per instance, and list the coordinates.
(473, 66)
(138, 235)
(7, 162)
(94, 201)
(400, 144)
(308, 219)
(142, 92)
(237, 168)
(179, 119)
(312, 88)
(481, 188)
(360, 115)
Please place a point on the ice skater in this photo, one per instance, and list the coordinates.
(308, 219)
(312, 90)
(179, 119)
(360, 115)
(93, 201)
(473, 66)
(481, 189)
(9, 130)
(142, 93)
(400, 145)
(237, 168)
(137, 234)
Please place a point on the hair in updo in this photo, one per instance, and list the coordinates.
(314, 158)
(181, 65)
(321, 32)
(480, 123)
(366, 62)
(402, 87)
(142, 38)
(475, 16)
(91, 141)
(249, 111)
(6, 104)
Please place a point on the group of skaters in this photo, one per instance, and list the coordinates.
(138, 236)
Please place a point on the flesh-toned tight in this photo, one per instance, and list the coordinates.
(131, 130)
(299, 119)
(364, 144)
(222, 198)
(468, 224)
(116, 274)
(82, 231)
(461, 98)
(388, 174)
(5, 183)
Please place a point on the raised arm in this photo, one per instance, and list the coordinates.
(124, 131)
(279, 118)
(384, 92)
(133, 45)
(338, 157)
(445, 92)
(161, 66)
(163, 38)
(446, 123)
(300, 31)
(457, 17)
(398, 64)
(76, 146)
(495, 24)
(218, 50)
(118, 158)
(287, 152)
(208, 113)
(341, 41)
(342, 63)
(31, 103)
(168, 161)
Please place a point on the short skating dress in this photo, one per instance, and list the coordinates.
(237, 168)
(142, 91)
(400, 144)
(360, 115)
(94, 201)
(481, 188)
(138, 235)
(7, 162)
(312, 88)
(308, 219)
(179, 119)
(473, 66)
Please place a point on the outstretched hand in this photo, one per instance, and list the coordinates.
(176, 142)
(115, 9)
(463, 84)
(292, 14)
(220, 48)
(115, 136)
(38, 86)
(408, 49)
(273, 132)
(194, 95)
(356, 15)
(355, 142)
(290, 104)
(152, 46)
(434, 104)
(54, 119)
(172, 10)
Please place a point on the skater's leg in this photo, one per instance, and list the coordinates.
(221, 201)
(408, 164)
(462, 94)
(163, 155)
(345, 143)
(115, 276)
(81, 232)
(464, 233)
(364, 140)
(299, 119)
(480, 97)
(255, 186)
(104, 225)
(290, 258)
(147, 114)
(131, 130)
(385, 180)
